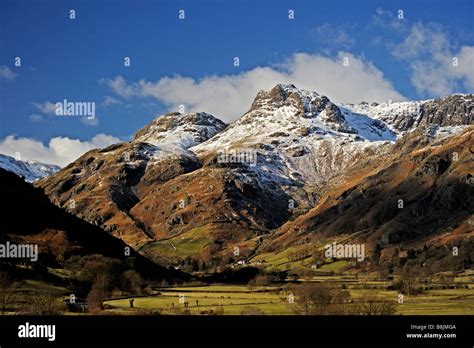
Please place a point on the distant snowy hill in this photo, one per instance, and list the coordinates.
(452, 110)
(29, 170)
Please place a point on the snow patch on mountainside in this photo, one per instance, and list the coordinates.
(398, 116)
(452, 110)
(179, 131)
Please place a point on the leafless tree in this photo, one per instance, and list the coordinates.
(98, 293)
(131, 282)
(7, 293)
(319, 298)
(371, 304)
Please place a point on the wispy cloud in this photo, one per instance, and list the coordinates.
(6, 73)
(46, 107)
(36, 118)
(108, 100)
(92, 122)
(119, 86)
(437, 68)
(49, 108)
(388, 19)
(333, 36)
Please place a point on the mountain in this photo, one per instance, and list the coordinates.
(299, 135)
(302, 139)
(188, 185)
(179, 131)
(29, 170)
(105, 184)
(30, 218)
(453, 110)
(420, 193)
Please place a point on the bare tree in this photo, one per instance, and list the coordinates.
(131, 282)
(408, 282)
(7, 294)
(371, 304)
(99, 292)
(45, 303)
(319, 298)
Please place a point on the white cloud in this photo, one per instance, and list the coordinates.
(229, 96)
(93, 122)
(387, 19)
(46, 107)
(108, 100)
(60, 150)
(334, 36)
(423, 40)
(119, 86)
(465, 68)
(6, 73)
(49, 108)
(430, 55)
(36, 118)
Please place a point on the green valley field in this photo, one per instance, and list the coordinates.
(275, 300)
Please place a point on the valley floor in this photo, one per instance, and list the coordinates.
(436, 297)
(240, 299)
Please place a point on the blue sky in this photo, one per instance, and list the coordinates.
(190, 62)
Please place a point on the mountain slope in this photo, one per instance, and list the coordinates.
(103, 185)
(420, 194)
(29, 217)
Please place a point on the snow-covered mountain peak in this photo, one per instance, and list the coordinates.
(297, 134)
(29, 170)
(307, 104)
(285, 95)
(288, 116)
(180, 130)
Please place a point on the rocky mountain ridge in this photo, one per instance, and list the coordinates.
(29, 170)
